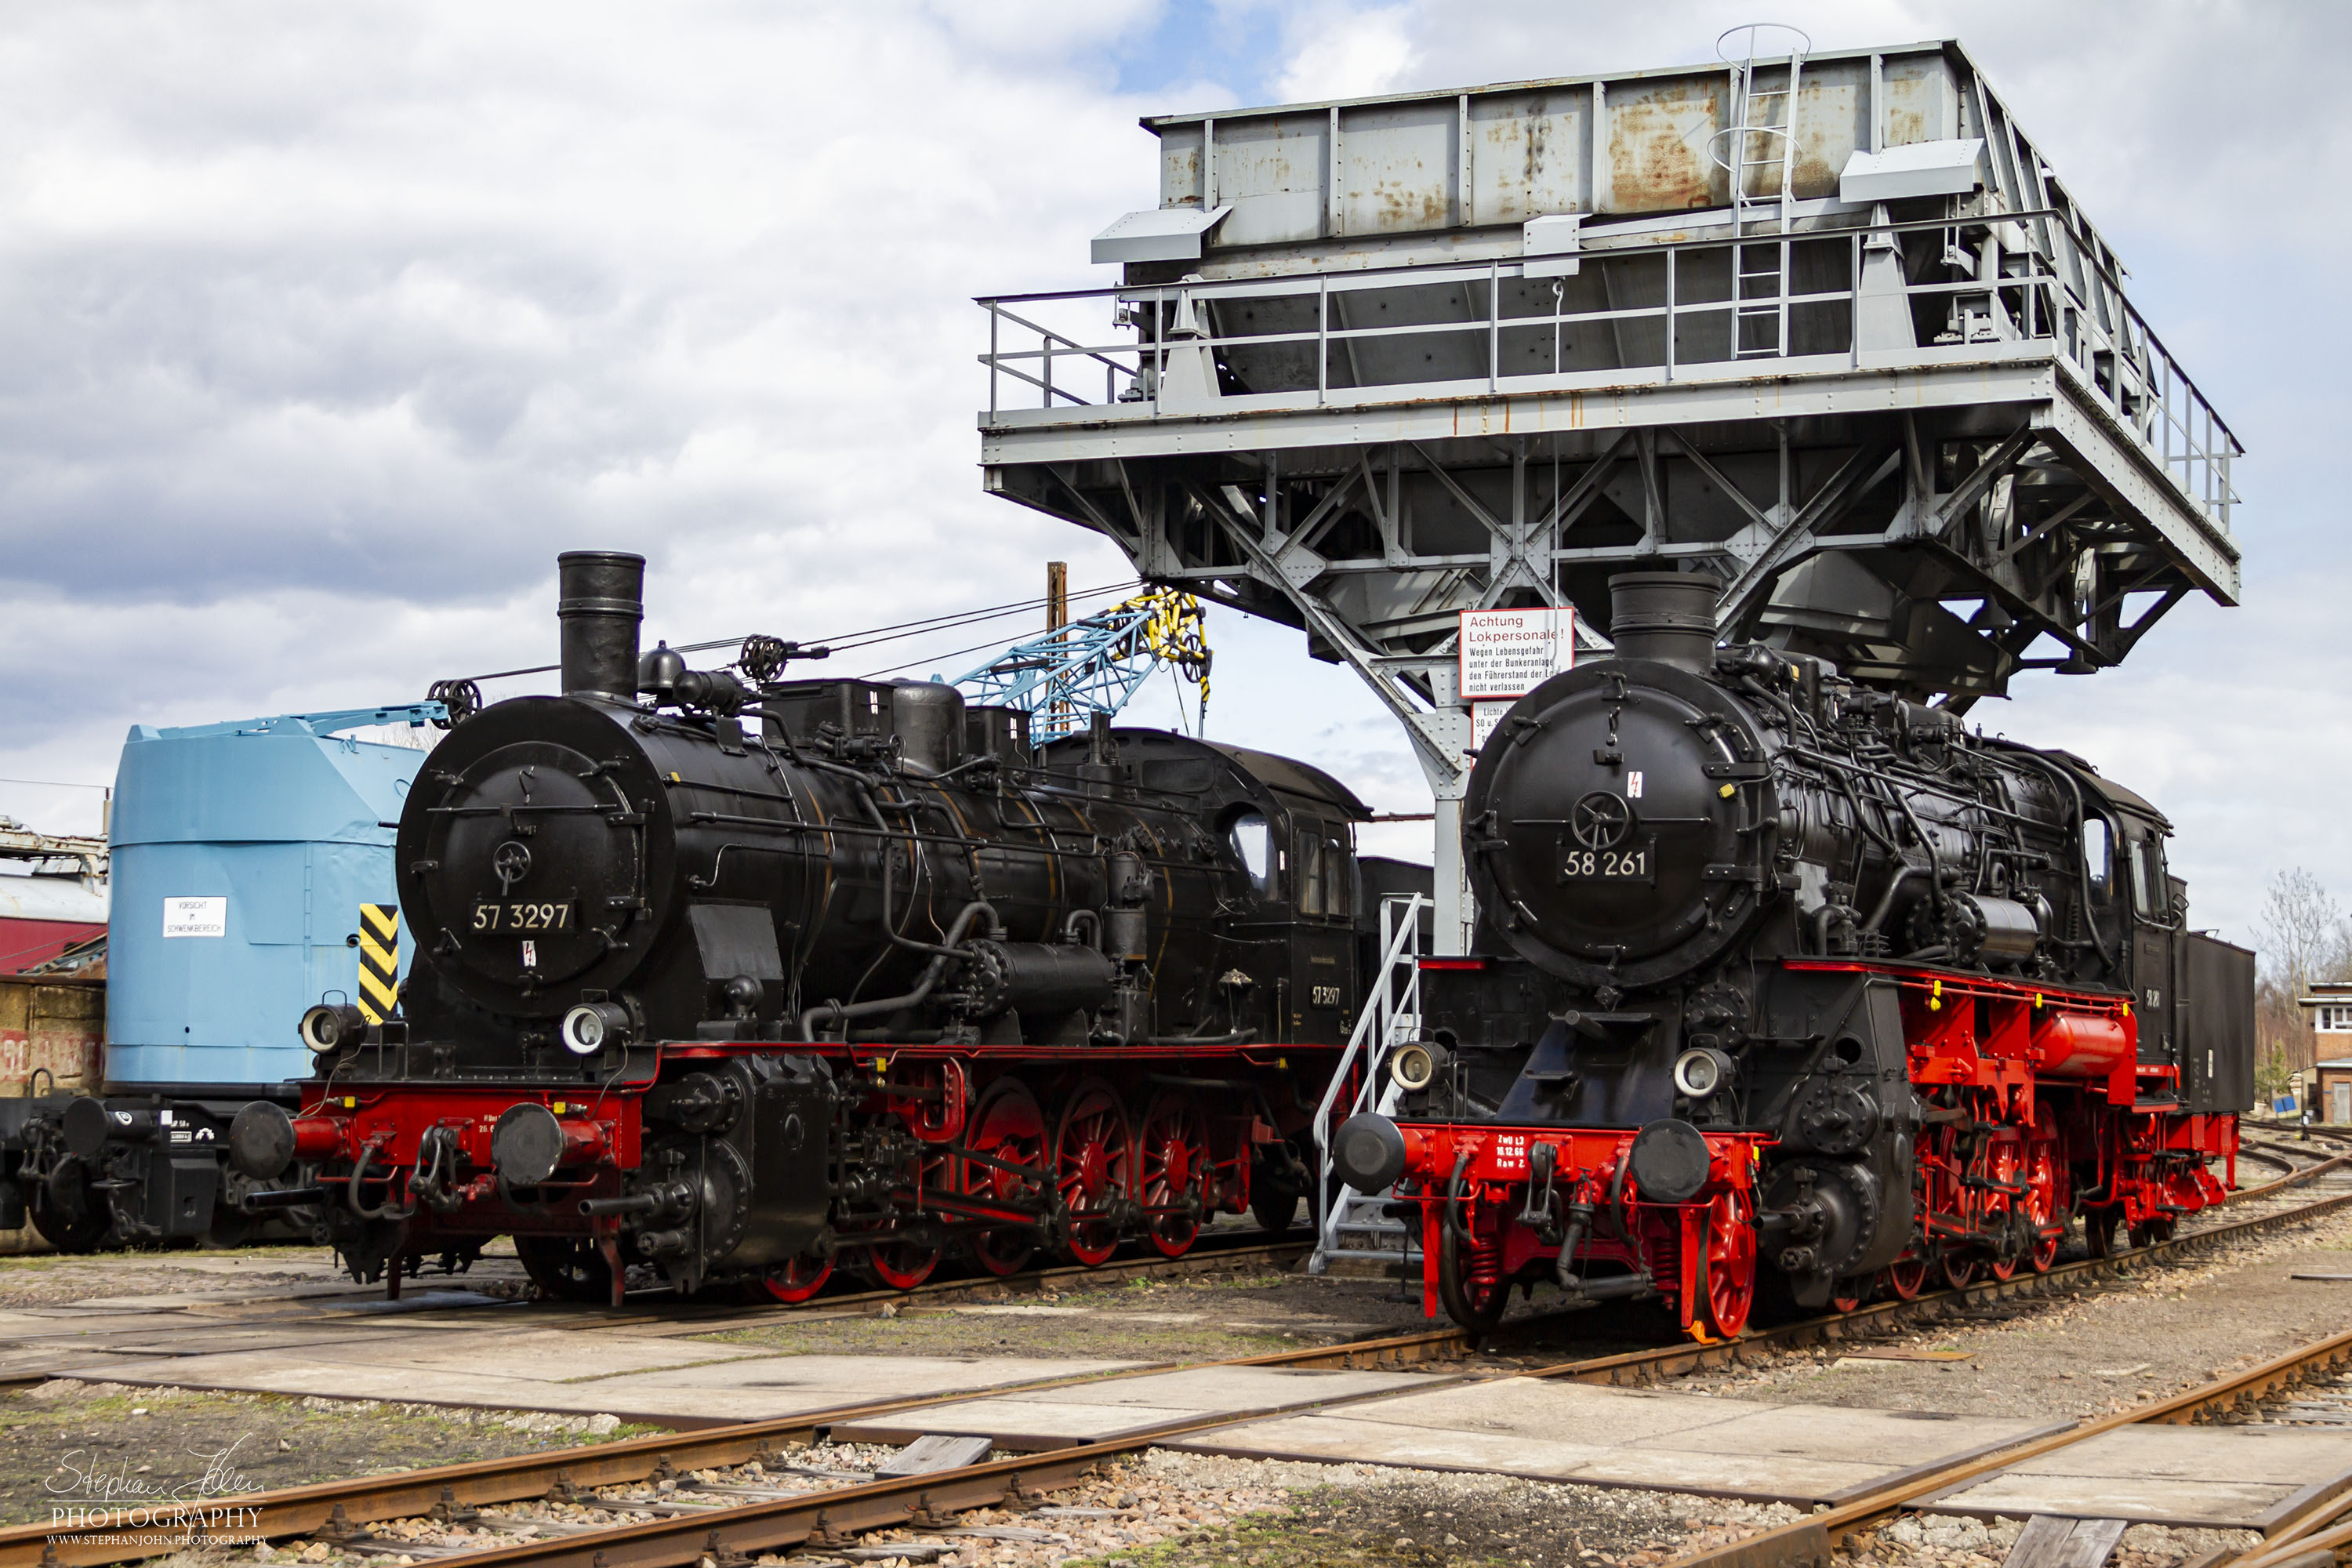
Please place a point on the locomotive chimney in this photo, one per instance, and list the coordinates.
(1668, 616)
(600, 601)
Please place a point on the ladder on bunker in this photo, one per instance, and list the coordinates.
(1761, 269)
(1348, 1223)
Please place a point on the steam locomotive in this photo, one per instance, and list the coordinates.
(1783, 981)
(738, 978)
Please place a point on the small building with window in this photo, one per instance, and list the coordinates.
(2331, 1098)
(2328, 1004)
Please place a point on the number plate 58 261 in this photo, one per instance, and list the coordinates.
(1632, 862)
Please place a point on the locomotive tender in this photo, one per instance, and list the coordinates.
(736, 978)
(1779, 976)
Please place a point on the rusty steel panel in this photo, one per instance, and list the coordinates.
(1396, 168)
(1661, 136)
(1530, 154)
(1640, 144)
(1270, 170)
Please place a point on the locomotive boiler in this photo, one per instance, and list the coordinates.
(731, 976)
(1781, 979)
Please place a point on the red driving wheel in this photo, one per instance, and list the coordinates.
(1907, 1276)
(1730, 1263)
(1093, 1159)
(1173, 1167)
(2043, 1175)
(2004, 1163)
(802, 1278)
(1006, 1126)
(901, 1265)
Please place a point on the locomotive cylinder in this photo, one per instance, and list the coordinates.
(1046, 979)
(601, 602)
(1989, 930)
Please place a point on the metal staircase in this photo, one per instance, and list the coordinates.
(1760, 269)
(1348, 1223)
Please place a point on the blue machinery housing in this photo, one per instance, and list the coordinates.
(242, 854)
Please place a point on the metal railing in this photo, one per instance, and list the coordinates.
(2074, 308)
(1391, 1016)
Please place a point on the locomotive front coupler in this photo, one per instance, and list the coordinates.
(1537, 1212)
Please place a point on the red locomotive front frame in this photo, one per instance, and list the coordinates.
(991, 1152)
(2034, 1107)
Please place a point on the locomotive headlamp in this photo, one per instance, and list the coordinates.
(1701, 1073)
(1413, 1066)
(329, 1026)
(593, 1025)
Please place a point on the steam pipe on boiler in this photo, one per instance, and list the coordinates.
(934, 973)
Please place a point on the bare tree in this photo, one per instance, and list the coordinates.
(2302, 932)
(2303, 936)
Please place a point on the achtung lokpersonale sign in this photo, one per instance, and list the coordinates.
(1509, 653)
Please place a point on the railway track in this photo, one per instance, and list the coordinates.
(1213, 1254)
(740, 1489)
(1811, 1539)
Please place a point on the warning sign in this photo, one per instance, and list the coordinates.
(1509, 653)
(1486, 718)
(196, 917)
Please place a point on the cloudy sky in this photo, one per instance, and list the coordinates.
(322, 329)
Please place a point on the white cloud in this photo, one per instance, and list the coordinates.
(1342, 52)
(323, 329)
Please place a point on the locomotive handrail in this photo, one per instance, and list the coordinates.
(2070, 304)
(1369, 1040)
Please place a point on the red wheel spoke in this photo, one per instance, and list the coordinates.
(801, 1279)
(1092, 1164)
(1006, 1126)
(1730, 1263)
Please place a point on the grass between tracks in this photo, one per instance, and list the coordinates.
(1142, 1319)
(1418, 1519)
(72, 1440)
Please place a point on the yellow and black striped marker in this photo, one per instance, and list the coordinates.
(379, 961)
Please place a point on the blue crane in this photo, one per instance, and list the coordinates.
(1094, 666)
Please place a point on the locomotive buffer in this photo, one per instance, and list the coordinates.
(1826, 325)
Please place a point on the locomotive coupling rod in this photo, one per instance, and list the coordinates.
(1986, 1183)
(291, 1198)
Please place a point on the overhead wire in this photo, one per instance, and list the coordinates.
(873, 637)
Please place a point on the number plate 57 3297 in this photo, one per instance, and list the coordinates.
(529, 917)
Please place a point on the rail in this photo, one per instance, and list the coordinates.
(1827, 312)
(444, 1492)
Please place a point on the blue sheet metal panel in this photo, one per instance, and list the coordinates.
(292, 827)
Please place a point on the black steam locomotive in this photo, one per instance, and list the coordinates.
(1775, 970)
(736, 976)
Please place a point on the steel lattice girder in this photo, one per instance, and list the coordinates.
(1924, 549)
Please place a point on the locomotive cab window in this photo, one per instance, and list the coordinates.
(2096, 856)
(2147, 877)
(1252, 842)
(1324, 880)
